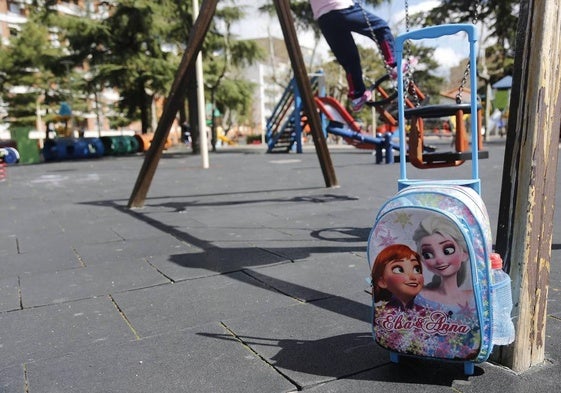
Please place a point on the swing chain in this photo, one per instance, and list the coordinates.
(463, 84)
(387, 66)
(409, 83)
(475, 19)
(475, 12)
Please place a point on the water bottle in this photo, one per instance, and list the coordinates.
(503, 328)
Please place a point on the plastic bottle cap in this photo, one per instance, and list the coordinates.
(496, 261)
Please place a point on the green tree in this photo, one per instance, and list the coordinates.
(125, 51)
(27, 61)
(499, 18)
(135, 50)
(226, 90)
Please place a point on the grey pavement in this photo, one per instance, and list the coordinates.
(248, 276)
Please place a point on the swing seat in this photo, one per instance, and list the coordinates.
(443, 159)
(420, 159)
(415, 115)
(436, 111)
(418, 155)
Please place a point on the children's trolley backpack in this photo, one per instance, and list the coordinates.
(429, 254)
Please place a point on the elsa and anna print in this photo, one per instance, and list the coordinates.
(424, 302)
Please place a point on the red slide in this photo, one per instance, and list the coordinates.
(334, 111)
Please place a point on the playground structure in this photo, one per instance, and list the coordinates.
(288, 124)
(416, 111)
(224, 139)
(288, 120)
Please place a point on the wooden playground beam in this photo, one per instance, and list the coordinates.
(527, 203)
(178, 91)
(173, 103)
(303, 82)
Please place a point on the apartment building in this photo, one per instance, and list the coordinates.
(13, 13)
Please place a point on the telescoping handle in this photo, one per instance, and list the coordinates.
(428, 33)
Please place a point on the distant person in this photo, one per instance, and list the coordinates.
(186, 133)
(336, 20)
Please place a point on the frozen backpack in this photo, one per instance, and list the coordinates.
(429, 256)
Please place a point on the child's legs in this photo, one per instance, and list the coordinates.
(341, 42)
(356, 21)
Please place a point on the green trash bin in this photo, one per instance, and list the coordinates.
(28, 148)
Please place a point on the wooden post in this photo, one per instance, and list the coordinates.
(524, 233)
(303, 81)
(173, 103)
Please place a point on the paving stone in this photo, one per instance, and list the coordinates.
(297, 250)
(409, 375)
(313, 342)
(44, 332)
(16, 219)
(89, 281)
(8, 245)
(552, 345)
(392, 378)
(124, 223)
(340, 235)
(137, 229)
(39, 261)
(9, 294)
(197, 262)
(169, 218)
(335, 274)
(12, 379)
(38, 240)
(230, 233)
(79, 239)
(188, 303)
(161, 246)
(91, 234)
(205, 359)
(211, 216)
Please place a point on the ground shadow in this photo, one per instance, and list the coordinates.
(342, 234)
(221, 260)
(350, 356)
(326, 198)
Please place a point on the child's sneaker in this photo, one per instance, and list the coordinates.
(358, 103)
(408, 65)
